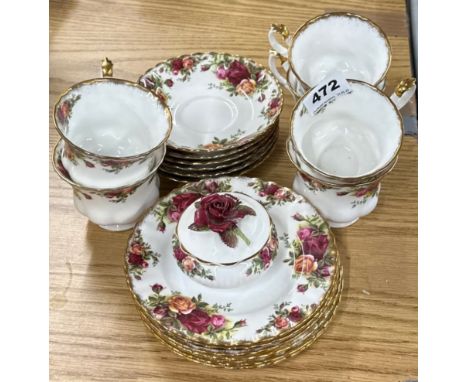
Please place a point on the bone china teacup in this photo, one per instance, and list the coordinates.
(114, 209)
(114, 130)
(343, 151)
(333, 42)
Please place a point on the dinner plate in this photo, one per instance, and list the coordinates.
(219, 101)
(271, 354)
(256, 312)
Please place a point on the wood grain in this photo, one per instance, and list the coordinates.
(95, 332)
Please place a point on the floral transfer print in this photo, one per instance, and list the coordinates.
(272, 109)
(64, 110)
(140, 255)
(188, 264)
(284, 317)
(362, 194)
(191, 315)
(308, 253)
(218, 143)
(313, 184)
(220, 213)
(170, 211)
(265, 256)
(273, 193)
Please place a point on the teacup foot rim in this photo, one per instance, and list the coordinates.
(117, 227)
(341, 224)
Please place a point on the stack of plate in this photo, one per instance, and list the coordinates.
(225, 111)
(276, 314)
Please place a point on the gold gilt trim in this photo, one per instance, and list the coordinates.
(106, 67)
(304, 26)
(352, 179)
(252, 137)
(242, 344)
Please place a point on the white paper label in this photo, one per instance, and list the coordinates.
(326, 92)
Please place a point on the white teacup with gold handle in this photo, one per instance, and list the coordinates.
(333, 42)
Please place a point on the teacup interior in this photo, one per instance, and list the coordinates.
(354, 136)
(342, 43)
(208, 246)
(112, 118)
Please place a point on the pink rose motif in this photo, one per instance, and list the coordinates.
(265, 255)
(179, 254)
(221, 73)
(304, 233)
(211, 186)
(63, 111)
(315, 245)
(188, 263)
(242, 323)
(160, 312)
(187, 63)
(169, 82)
(180, 204)
(217, 321)
(89, 164)
(157, 288)
(273, 107)
(281, 322)
(269, 189)
(295, 314)
(196, 322)
(136, 260)
(305, 264)
(281, 194)
(205, 67)
(246, 86)
(325, 271)
(177, 65)
(237, 72)
(302, 288)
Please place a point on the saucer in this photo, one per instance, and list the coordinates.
(258, 313)
(219, 101)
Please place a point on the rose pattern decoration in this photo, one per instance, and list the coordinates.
(284, 317)
(265, 256)
(191, 315)
(139, 256)
(169, 211)
(271, 110)
(314, 184)
(363, 194)
(220, 213)
(309, 253)
(188, 264)
(274, 194)
(64, 110)
(218, 143)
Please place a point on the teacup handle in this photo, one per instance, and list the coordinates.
(284, 63)
(403, 92)
(107, 68)
(284, 32)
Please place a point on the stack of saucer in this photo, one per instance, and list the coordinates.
(234, 272)
(225, 113)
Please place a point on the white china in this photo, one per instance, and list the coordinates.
(270, 306)
(212, 262)
(333, 42)
(114, 209)
(115, 131)
(219, 101)
(343, 151)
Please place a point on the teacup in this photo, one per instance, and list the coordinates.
(333, 42)
(114, 209)
(344, 151)
(114, 131)
(225, 259)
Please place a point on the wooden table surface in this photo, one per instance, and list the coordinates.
(95, 331)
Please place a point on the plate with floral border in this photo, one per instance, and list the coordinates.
(219, 101)
(247, 314)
